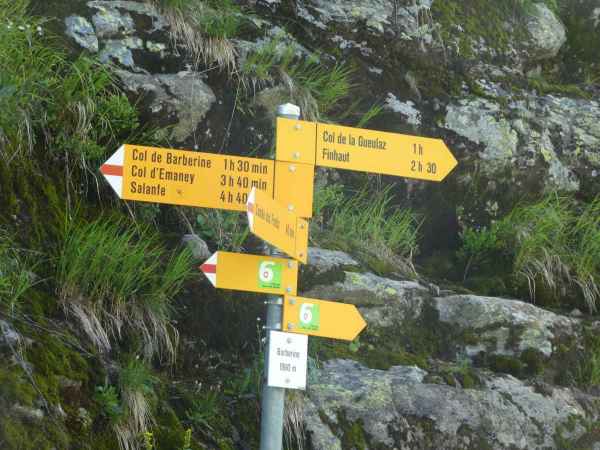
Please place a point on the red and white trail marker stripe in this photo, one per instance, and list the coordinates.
(210, 269)
(112, 170)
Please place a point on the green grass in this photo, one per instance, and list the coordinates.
(47, 102)
(205, 407)
(136, 384)
(366, 224)
(585, 257)
(113, 278)
(317, 87)
(15, 275)
(554, 244)
(205, 28)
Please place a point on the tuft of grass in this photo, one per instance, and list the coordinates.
(552, 243)
(114, 279)
(367, 225)
(205, 28)
(205, 407)
(136, 384)
(293, 421)
(316, 87)
(15, 277)
(541, 251)
(369, 115)
(585, 257)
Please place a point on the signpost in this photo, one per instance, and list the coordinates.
(321, 318)
(277, 196)
(277, 225)
(363, 150)
(252, 273)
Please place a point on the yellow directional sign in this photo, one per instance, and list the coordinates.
(180, 177)
(253, 273)
(363, 150)
(321, 318)
(277, 225)
(209, 180)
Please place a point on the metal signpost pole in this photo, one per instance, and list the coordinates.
(273, 398)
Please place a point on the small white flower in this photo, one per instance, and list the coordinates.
(21, 27)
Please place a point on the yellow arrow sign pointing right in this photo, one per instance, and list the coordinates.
(400, 155)
(322, 318)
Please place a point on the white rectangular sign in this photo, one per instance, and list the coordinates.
(288, 353)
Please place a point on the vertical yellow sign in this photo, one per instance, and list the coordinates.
(277, 225)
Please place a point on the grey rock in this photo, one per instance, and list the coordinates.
(496, 319)
(322, 260)
(183, 95)
(375, 13)
(407, 109)
(82, 32)
(479, 121)
(32, 414)
(112, 17)
(197, 246)
(9, 336)
(382, 302)
(398, 409)
(119, 50)
(557, 136)
(110, 22)
(547, 33)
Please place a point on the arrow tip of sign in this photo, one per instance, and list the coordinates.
(209, 268)
(112, 170)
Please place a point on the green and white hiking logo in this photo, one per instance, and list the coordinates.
(310, 317)
(269, 274)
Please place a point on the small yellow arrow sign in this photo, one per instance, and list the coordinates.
(253, 273)
(363, 150)
(277, 225)
(321, 318)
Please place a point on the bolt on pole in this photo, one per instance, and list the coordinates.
(273, 398)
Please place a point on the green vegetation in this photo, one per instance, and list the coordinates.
(114, 278)
(315, 86)
(46, 100)
(136, 384)
(205, 407)
(227, 229)
(367, 224)
(204, 28)
(15, 277)
(554, 244)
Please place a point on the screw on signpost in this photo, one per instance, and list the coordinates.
(273, 398)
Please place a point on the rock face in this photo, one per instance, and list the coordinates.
(183, 97)
(547, 33)
(128, 33)
(478, 340)
(398, 409)
(510, 326)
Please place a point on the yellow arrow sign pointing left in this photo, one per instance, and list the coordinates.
(322, 318)
(253, 273)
